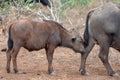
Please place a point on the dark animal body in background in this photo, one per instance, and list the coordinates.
(102, 28)
(44, 2)
(1, 19)
(34, 35)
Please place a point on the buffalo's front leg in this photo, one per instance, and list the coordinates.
(49, 53)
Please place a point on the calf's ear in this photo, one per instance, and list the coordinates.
(73, 39)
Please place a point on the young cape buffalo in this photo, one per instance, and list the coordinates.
(34, 35)
(102, 28)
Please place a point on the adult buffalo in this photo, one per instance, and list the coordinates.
(102, 28)
(34, 35)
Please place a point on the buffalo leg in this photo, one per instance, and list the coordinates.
(49, 53)
(103, 55)
(84, 56)
(14, 57)
(8, 54)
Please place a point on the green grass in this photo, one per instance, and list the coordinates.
(75, 3)
(117, 1)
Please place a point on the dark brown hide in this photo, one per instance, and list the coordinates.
(34, 35)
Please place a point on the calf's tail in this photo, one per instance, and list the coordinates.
(10, 41)
(86, 32)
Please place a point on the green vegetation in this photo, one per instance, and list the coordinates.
(59, 10)
(117, 1)
(75, 3)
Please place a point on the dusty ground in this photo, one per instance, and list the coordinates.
(66, 64)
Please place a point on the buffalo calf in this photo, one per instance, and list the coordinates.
(34, 35)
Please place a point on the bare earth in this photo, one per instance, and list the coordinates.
(66, 64)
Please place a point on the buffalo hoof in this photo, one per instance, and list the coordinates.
(52, 73)
(115, 75)
(83, 72)
(1, 77)
(8, 71)
(19, 72)
(16, 71)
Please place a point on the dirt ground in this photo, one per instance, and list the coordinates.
(66, 64)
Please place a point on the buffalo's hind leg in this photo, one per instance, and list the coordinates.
(14, 57)
(8, 54)
(103, 55)
(84, 56)
(49, 53)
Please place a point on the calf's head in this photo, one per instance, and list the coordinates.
(77, 44)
